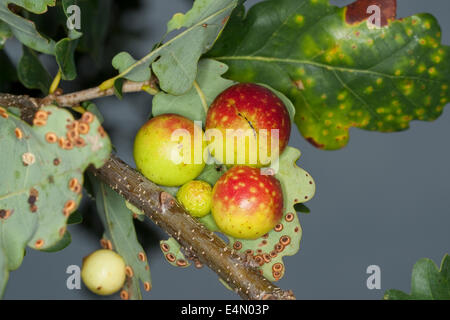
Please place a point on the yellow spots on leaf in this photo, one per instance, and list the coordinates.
(370, 42)
(422, 41)
(390, 117)
(420, 111)
(323, 96)
(427, 25)
(368, 90)
(342, 106)
(432, 70)
(310, 82)
(438, 34)
(380, 110)
(444, 87)
(412, 62)
(379, 81)
(365, 122)
(437, 59)
(409, 32)
(299, 19)
(224, 118)
(379, 124)
(407, 118)
(301, 71)
(439, 108)
(421, 68)
(327, 122)
(330, 114)
(399, 111)
(395, 103)
(398, 72)
(341, 96)
(444, 100)
(407, 89)
(428, 100)
(403, 125)
(325, 132)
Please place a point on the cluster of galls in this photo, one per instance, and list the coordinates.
(244, 203)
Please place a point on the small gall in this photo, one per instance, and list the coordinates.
(28, 159)
(51, 137)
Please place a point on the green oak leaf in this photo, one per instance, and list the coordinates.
(41, 181)
(172, 252)
(124, 60)
(195, 103)
(32, 74)
(339, 75)
(117, 220)
(428, 282)
(25, 30)
(176, 67)
(64, 53)
(284, 240)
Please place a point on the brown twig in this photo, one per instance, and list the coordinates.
(237, 270)
(74, 99)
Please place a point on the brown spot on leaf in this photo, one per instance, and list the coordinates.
(5, 214)
(165, 247)
(237, 245)
(142, 256)
(39, 244)
(51, 137)
(147, 286)
(87, 117)
(357, 11)
(18, 133)
(83, 128)
(181, 263)
(170, 257)
(124, 295)
(129, 271)
(315, 143)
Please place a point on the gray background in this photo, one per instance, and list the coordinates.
(383, 200)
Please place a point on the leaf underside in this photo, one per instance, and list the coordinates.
(41, 180)
(339, 74)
